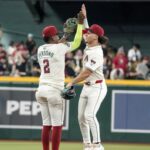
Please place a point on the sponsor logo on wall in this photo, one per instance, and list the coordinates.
(19, 109)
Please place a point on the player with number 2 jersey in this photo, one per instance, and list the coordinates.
(51, 57)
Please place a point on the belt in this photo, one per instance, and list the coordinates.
(93, 82)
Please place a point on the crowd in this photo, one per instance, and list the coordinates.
(20, 59)
(118, 63)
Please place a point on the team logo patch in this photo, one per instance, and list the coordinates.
(93, 62)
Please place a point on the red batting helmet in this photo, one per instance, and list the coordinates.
(49, 31)
(95, 28)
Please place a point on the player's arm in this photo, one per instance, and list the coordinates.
(70, 46)
(78, 38)
(90, 66)
(81, 77)
(85, 22)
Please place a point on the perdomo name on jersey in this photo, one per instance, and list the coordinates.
(45, 53)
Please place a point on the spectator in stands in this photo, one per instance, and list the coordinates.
(78, 61)
(12, 48)
(107, 66)
(108, 56)
(134, 54)
(30, 44)
(69, 67)
(131, 73)
(142, 69)
(33, 68)
(119, 66)
(3, 61)
(20, 60)
(11, 52)
(148, 74)
(111, 51)
(134, 57)
(139, 70)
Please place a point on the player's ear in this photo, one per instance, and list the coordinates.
(54, 38)
(96, 37)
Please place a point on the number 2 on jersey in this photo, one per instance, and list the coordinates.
(46, 66)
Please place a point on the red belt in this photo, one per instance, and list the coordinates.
(95, 82)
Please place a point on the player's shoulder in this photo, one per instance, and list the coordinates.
(96, 52)
(65, 44)
(41, 47)
(48, 46)
(100, 49)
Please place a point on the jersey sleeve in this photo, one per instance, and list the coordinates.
(78, 38)
(64, 47)
(94, 61)
(86, 24)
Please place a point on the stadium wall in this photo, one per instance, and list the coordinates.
(124, 115)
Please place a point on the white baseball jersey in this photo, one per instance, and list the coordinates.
(51, 59)
(93, 60)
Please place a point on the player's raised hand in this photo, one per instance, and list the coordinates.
(81, 17)
(83, 9)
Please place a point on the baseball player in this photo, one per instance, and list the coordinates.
(94, 89)
(51, 57)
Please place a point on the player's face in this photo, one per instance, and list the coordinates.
(55, 38)
(90, 37)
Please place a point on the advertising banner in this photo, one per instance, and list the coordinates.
(19, 109)
(130, 111)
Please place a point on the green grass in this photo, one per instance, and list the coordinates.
(19, 145)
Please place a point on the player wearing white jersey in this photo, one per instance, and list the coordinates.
(51, 57)
(94, 89)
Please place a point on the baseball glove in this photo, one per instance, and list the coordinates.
(70, 25)
(68, 93)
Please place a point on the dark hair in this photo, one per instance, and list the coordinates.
(46, 39)
(103, 40)
(137, 46)
(11, 43)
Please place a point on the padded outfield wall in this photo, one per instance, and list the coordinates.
(124, 114)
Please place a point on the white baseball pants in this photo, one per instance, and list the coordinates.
(52, 105)
(89, 103)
